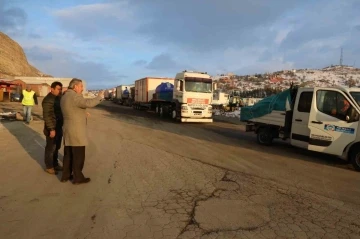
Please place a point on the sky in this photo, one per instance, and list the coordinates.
(114, 42)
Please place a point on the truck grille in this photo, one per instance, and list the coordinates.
(197, 106)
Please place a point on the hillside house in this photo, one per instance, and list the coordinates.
(276, 79)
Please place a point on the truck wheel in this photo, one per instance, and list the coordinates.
(174, 114)
(161, 112)
(157, 109)
(355, 159)
(264, 137)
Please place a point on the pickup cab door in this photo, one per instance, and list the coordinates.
(333, 121)
(300, 131)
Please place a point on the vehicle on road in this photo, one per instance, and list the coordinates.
(321, 119)
(15, 97)
(187, 98)
(123, 94)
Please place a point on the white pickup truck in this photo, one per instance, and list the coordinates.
(319, 119)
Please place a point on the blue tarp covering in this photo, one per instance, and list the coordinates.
(164, 87)
(164, 91)
(265, 106)
(126, 93)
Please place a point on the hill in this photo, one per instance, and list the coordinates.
(329, 76)
(13, 61)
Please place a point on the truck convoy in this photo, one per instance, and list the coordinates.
(321, 119)
(187, 98)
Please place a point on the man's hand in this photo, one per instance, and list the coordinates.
(52, 133)
(87, 114)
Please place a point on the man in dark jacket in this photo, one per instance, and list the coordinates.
(53, 122)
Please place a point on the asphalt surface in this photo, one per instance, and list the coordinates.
(153, 178)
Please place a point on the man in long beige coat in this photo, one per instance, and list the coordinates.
(73, 107)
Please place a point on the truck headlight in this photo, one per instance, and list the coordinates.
(184, 107)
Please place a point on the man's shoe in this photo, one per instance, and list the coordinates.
(51, 171)
(64, 180)
(85, 180)
(58, 168)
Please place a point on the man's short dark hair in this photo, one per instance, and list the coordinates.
(56, 83)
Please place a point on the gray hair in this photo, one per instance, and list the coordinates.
(74, 82)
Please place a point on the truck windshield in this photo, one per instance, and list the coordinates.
(195, 84)
(356, 96)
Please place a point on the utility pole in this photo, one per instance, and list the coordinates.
(341, 57)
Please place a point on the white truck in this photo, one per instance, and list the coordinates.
(220, 98)
(319, 119)
(187, 98)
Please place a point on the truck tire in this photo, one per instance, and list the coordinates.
(355, 159)
(157, 109)
(161, 112)
(264, 136)
(174, 114)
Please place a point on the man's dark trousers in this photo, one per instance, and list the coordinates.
(52, 149)
(74, 159)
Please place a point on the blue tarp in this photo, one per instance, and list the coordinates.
(164, 87)
(265, 106)
(164, 91)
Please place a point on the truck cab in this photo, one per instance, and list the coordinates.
(321, 119)
(193, 93)
(325, 120)
(220, 98)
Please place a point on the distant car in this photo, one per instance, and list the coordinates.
(15, 97)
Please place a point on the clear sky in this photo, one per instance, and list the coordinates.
(113, 42)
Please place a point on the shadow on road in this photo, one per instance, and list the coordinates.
(32, 142)
(15, 108)
(235, 135)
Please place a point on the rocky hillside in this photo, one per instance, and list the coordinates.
(13, 60)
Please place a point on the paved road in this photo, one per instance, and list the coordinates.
(153, 178)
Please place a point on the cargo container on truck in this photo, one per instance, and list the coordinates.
(321, 119)
(145, 88)
(132, 95)
(187, 98)
(123, 94)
